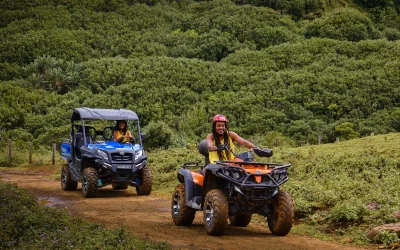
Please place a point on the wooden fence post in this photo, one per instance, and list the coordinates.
(337, 139)
(30, 153)
(276, 141)
(53, 158)
(320, 139)
(10, 150)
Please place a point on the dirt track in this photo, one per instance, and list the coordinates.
(149, 217)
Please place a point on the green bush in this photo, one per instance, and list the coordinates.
(158, 135)
(343, 24)
(387, 237)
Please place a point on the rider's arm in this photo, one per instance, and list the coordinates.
(209, 140)
(235, 137)
(129, 134)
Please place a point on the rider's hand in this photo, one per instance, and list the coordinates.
(212, 148)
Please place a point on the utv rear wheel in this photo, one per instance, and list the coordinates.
(282, 217)
(89, 182)
(145, 182)
(67, 183)
(240, 220)
(182, 215)
(119, 186)
(215, 213)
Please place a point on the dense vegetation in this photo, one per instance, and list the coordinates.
(300, 69)
(28, 225)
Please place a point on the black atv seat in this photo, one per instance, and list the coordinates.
(202, 147)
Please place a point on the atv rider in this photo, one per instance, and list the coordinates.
(220, 135)
(121, 132)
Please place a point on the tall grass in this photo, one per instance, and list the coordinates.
(27, 225)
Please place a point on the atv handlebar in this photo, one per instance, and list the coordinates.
(265, 152)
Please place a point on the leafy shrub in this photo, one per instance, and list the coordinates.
(392, 34)
(387, 237)
(343, 24)
(348, 211)
(158, 135)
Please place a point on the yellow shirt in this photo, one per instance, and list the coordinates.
(119, 134)
(213, 155)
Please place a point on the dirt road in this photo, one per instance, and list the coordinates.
(149, 217)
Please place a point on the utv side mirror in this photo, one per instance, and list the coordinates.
(143, 136)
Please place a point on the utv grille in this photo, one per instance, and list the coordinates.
(119, 157)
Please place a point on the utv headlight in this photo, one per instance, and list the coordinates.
(138, 154)
(103, 154)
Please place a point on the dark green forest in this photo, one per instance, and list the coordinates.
(299, 69)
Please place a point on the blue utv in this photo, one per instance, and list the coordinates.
(93, 157)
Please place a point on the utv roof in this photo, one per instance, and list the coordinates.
(103, 114)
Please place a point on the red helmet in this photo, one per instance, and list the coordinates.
(219, 118)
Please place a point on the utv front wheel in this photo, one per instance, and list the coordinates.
(89, 182)
(182, 215)
(240, 220)
(67, 183)
(215, 213)
(282, 217)
(145, 182)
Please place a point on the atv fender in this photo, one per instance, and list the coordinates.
(193, 189)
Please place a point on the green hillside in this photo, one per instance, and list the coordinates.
(300, 69)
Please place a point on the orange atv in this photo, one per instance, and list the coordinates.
(233, 190)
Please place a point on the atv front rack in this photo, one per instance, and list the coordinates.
(191, 165)
(240, 163)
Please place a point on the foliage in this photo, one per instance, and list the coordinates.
(27, 225)
(343, 24)
(387, 237)
(308, 70)
(158, 135)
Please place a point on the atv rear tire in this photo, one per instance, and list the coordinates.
(240, 220)
(182, 215)
(119, 186)
(282, 217)
(67, 183)
(89, 182)
(215, 212)
(146, 182)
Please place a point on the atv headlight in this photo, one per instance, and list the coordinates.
(235, 173)
(280, 176)
(103, 154)
(138, 154)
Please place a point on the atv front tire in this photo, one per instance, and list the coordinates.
(215, 213)
(240, 220)
(282, 217)
(119, 186)
(182, 215)
(67, 183)
(89, 182)
(146, 182)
